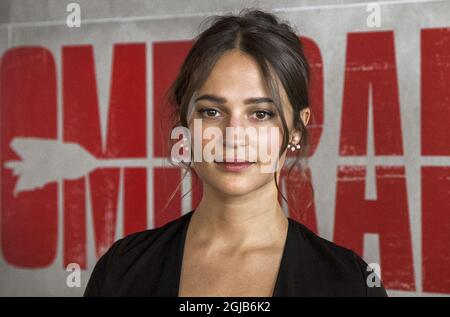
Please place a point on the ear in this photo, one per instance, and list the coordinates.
(305, 114)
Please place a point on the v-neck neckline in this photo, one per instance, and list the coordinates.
(182, 243)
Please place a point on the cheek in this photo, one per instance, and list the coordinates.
(197, 138)
(269, 144)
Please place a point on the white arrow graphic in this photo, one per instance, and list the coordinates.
(47, 160)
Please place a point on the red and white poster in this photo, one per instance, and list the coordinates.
(82, 155)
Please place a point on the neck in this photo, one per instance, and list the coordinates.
(252, 220)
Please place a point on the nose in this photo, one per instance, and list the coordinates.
(234, 132)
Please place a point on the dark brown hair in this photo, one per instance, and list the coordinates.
(279, 53)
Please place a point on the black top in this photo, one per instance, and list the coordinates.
(148, 263)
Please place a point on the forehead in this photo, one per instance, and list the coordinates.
(236, 75)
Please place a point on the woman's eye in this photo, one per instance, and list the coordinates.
(263, 115)
(209, 113)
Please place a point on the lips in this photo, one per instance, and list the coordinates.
(235, 165)
(233, 161)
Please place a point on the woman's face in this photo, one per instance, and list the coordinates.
(235, 79)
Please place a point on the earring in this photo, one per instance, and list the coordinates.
(182, 144)
(293, 146)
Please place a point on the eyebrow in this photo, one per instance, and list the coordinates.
(222, 100)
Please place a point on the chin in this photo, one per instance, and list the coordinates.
(237, 188)
(234, 184)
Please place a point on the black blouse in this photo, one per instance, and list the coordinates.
(148, 263)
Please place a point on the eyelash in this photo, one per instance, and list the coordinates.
(269, 114)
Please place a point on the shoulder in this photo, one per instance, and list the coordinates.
(133, 254)
(341, 269)
(323, 247)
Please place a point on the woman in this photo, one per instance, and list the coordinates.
(244, 71)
